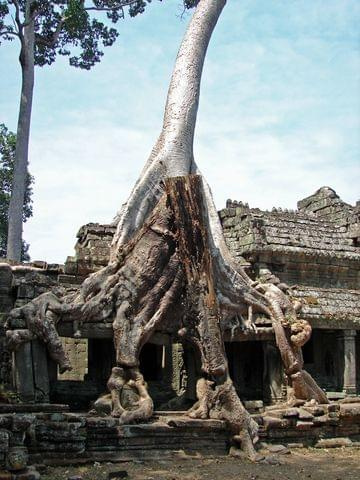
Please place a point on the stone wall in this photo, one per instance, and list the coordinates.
(19, 284)
(52, 436)
(77, 351)
(6, 304)
(92, 249)
(316, 245)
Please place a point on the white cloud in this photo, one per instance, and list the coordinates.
(88, 178)
(92, 171)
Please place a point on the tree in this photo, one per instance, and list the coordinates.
(171, 271)
(7, 156)
(46, 29)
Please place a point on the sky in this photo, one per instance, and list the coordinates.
(279, 113)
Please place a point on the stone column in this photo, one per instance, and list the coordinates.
(23, 373)
(6, 304)
(349, 385)
(273, 373)
(178, 367)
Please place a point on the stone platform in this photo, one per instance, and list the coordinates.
(309, 425)
(52, 435)
(73, 438)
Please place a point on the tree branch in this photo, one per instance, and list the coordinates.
(9, 32)
(17, 18)
(120, 6)
(39, 40)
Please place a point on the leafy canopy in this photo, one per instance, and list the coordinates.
(74, 28)
(7, 155)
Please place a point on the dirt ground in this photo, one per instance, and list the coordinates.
(300, 464)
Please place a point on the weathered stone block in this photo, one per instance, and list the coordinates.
(274, 422)
(300, 425)
(21, 422)
(304, 415)
(291, 412)
(333, 442)
(26, 291)
(321, 420)
(5, 475)
(4, 440)
(6, 276)
(350, 410)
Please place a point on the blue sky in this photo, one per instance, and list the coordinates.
(279, 113)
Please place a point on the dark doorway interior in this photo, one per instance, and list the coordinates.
(246, 367)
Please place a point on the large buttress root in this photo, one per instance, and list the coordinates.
(129, 377)
(171, 277)
(217, 398)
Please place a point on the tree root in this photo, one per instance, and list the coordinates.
(120, 379)
(291, 334)
(218, 400)
(170, 277)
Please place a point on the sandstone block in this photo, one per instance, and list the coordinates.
(300, 425)
(333, 442)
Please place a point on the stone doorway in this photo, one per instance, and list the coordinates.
(246, 367)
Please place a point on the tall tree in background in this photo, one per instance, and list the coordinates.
(7, 158)
(46, 29)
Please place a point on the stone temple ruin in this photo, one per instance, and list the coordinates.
(150, 339)
(312, 253)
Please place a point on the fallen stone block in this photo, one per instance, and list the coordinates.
(274, 422)
(304, 415)
(300, 425)
(295, 445)
(333, 442)
(350, 410)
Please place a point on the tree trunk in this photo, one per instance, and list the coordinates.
(201, 323)
(14, 239)
(172, 154)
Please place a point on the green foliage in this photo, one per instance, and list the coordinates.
(190, 3)
(7, 155)
(78, 29)
(8, 396)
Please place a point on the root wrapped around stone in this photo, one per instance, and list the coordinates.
(40, 316)
(291, 334)
(123, 379)
(219, 400)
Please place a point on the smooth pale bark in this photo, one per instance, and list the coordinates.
(172, 154)
(14, 240)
